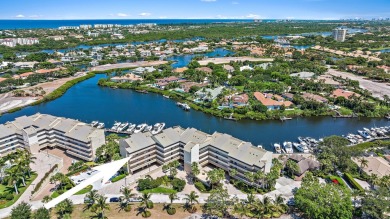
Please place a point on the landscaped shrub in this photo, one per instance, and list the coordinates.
(337, 180)
(146, 214)
(10, 197)
(171, 211)
(47, 174)
(2, 196)
(148, 183)
(178, 184)
(77, 171)
(118, 178)
(127, 208)
(353, 182)
(200, 186)
(150, 205)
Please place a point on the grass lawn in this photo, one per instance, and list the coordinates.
(345, 111)
(161, 190)
(115, 213)
(85, 190)
(21, 188)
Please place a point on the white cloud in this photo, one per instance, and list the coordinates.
(145, 14)
(208, 0)
(19, 16)
(252, 16)
(122, 15)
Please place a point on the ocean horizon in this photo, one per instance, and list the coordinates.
(50, 24)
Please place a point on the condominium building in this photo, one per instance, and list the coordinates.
(12, 42)
(339, 34)
(40, 131)
(191, 145)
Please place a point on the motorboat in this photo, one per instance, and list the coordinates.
(100, 125)
(116, 126)
(278, 149)
(157, 128)
(122, 126)
(148, 128)
(94, 123)
(301, 147)
(140, 128)
(288, 147)
(131, 128)
(364, 134)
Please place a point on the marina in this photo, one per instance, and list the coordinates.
(138, 108)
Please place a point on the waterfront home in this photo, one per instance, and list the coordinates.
(304, 164)
(191, 145)
(48, 71)
(186, 86)
(208, 94)
(246, 68)
(303, 75)
(20, 65)
(288, 96)
(237, 100)
(328, 79)
(375, 165)
(56, 62)
(163, 82)
(180, 70)
(127, 78)
(385, 68)
(142, 70)
(344, 93)
(264, 66)
(40, 131)
(94, 63)
(271, 101)
(206, 70)
(228, 68)
(314, 97)
(25, 75)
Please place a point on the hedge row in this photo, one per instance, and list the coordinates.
(116, 179)
(77, 171)
(339, 180)
(353, 182)
(47, 174)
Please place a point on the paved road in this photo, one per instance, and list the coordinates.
(377, 89)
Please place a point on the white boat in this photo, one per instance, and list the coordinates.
(278, 149)
(131, 128)
(301, 147)
(94, 123)
(364, 134)
(186, 107)
(157, 128)
(166, 96)
(122, 126)
(116, 126)
(140, 128)
(100, 125)
(288, 147)
(148, 128)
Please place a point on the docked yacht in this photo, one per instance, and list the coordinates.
(301, 147)
(148, 128)
(157, 128)
(100, 125)
(278, 149)
(140, 128)
(94, 123)
(364, 134)
(131, 128)
(122, 126)
(116, 126)
(288, 147)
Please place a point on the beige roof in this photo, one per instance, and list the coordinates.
(138, 141)
(376, 165)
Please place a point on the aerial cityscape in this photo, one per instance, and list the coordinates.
(195, 109)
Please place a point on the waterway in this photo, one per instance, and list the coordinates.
(88, 102)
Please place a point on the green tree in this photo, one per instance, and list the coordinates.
(64, 207)
(215, 176)
(195, 169)
(218, 202)
(101, 206)
(375, 203)
(42, 213)
(91, 196)
(292, 167)
(21, 211)
(317, 200)
(126, 197)
(190, 200)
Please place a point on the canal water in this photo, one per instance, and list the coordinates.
(88, 102)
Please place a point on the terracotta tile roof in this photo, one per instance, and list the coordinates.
(344, 93)
(180, 70)
(45, 71)
(205, 69)
(3, 79)
(266, 100)
(26, 74)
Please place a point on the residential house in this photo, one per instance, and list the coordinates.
(247, 67)
(180, 70)
(344, 93)
(25, 64)
(208, 94)
(127, 78)
(314, 97)
(271, 101)
(206, 70)
(228, 68)
(304, 164)
(375, 165)
(163, 82)
(303, 75)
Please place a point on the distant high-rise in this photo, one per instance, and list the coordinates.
(339, 34)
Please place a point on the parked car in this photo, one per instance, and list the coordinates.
(114, 199)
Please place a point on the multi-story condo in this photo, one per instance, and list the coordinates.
(40, 131)
(191, 145)
(339, 34)
(85, 26)
(69, 28)
(12, 42)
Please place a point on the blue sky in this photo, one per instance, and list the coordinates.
(228, 9)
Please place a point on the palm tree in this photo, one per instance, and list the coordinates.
(65, 207)
(12, 177)
(125, 198)
(190, 199)
(241, 209)
(267, 205)
(46, 199)
(195, 169)
(172, 197)
(91, 196)
(363, 163)
(279, 205)
(101, 205)
(145, 199)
